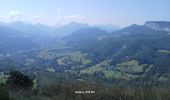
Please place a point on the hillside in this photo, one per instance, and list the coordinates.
(13, 41)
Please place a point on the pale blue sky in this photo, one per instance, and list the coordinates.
(117, 12)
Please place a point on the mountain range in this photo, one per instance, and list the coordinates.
(132, 62)
(136, 51)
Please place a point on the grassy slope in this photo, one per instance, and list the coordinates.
(124, 70)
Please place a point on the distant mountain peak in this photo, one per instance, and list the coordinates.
(76, 23)
(158, 22)
(108, 27)
(158, 25)
(132, 27)
(19, 23)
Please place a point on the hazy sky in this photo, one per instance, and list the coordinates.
(117, 12)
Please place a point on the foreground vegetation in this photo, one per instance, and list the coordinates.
(21, 87)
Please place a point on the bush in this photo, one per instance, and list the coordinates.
(4, 95)
(19, 80)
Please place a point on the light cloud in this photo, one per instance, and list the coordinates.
(59, 19)
(62, 19)
(15, 15)
(12, 16)
(38, 18)
(71, 18)
(59, 10)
